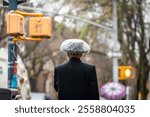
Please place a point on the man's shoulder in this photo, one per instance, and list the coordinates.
(82, 64)
(60, 66)
(89, 66)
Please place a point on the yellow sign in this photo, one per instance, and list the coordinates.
(126, 72)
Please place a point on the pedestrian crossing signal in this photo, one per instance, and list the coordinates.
(6, 2)
(40, 27)
(15, 24)
(126, 72)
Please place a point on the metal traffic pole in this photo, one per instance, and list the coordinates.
(12, 54)
(116, 49)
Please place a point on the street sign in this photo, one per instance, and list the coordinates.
(114, 54)
(6, 2)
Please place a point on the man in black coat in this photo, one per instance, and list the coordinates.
(76, 80)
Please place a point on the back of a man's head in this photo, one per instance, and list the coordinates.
(76, 55)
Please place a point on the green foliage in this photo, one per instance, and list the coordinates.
(104, 2)
(101, 20)
(59, 27)
(84, 31)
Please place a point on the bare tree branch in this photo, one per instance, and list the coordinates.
(98, 52)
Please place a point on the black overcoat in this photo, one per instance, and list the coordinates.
(76, 80)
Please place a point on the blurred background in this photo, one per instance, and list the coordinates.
(92, 21)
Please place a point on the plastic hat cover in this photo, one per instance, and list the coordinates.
(75, 46)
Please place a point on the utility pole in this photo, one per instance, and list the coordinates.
(116, 50)
(12, 54)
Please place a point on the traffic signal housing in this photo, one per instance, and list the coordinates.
(40, 27)
(6, 2)
(15, 24)
(126, 72)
